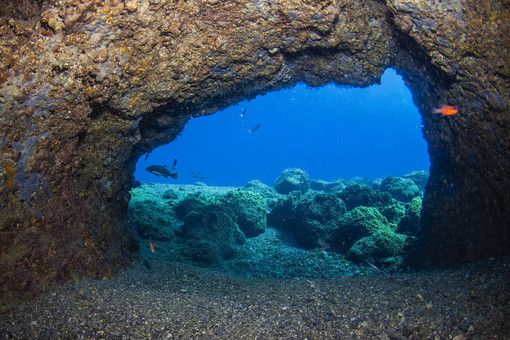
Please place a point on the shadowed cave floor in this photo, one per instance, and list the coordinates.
(163, 300)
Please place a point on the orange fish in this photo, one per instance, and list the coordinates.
(152, 246)
(446, 110)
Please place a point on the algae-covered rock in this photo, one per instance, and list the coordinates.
(152, 219)
(355, 195)
(315, 218)
(382, 247)
(393, 212)
(410, 222)
(172, 195)
(283, 214)
(150, 216)
(355, 224)
(321, 185)
(419, 178)
(214, 231)
(213, 223)
(265, 190)
(194, 202)
(309, 218)
(292, 180)
(209, 231)
(402, 189)
(250, 209)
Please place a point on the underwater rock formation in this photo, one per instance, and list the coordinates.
(266, 191)
(356, 224)
(210, 234)
(292, 180)
(217, 220)
(410, 222)
(401, 189)
(250, 209)
(209, 226)
(384, 248)
(87, 87)
(309, 218)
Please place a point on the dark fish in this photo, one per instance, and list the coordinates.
(244, 112)
(147, 155)
(255, 128)
(174, 164)
(161, 170)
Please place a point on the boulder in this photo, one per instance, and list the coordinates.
(402, 189)
(309, 218)
(355, 224)
(265, 190)
(384, 247)
(355, 195)
(250, 209)
(410, 222)
(210, 234)
(292, 180)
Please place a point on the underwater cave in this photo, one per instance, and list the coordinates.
(87, 88)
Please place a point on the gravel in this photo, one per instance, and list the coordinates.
(157, 299)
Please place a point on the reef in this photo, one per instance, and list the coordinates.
(214, 226)
(87, 87)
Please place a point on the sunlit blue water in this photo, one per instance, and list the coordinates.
(330, 132)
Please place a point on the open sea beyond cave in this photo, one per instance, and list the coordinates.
(330, 132)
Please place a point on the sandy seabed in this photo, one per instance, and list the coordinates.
(161, 300)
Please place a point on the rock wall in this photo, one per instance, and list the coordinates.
(87, 87)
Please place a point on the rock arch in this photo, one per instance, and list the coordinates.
(87, 87)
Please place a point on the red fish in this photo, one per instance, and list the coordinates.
(152, 246)
(446, 110)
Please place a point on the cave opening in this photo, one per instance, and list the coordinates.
(330, 132)
(360, 150)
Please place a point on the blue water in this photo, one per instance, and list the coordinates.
(330, 132)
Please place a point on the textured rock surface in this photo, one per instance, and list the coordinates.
(86, 87)
(292, 180)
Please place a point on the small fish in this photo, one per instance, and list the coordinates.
(374, 266)
(152, 246)
(174, 164)
(255, 128)
(446, 110)
(244, 112)
(147, 155)
(161, 170)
